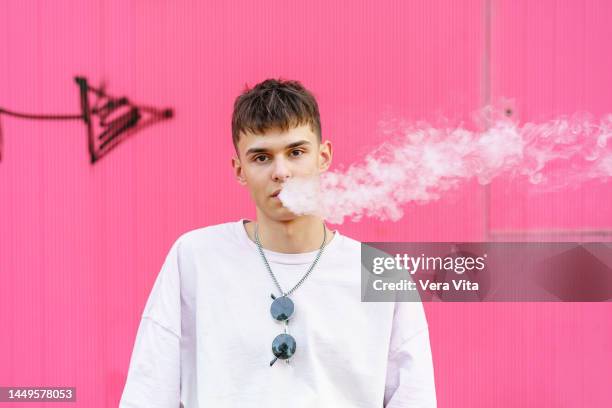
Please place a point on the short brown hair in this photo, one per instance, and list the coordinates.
(274, 104)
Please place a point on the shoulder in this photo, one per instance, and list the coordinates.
(207, 236)
(349, 243)
(346, 246)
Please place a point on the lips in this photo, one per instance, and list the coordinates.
(276, 193)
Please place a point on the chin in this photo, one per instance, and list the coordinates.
(281, 214)
(286, 215)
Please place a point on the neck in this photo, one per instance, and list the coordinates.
(302, 234)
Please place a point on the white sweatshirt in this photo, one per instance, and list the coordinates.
(206, 332)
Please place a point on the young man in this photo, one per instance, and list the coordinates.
(267, 313)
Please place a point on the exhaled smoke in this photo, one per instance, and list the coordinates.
(421, 162)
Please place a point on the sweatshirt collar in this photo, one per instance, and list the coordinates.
(284, 258)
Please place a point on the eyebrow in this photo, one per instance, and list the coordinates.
(289, 146)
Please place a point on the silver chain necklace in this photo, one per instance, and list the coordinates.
(284, 345)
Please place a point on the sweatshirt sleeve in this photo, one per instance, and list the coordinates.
(153, 379)
(410, 374)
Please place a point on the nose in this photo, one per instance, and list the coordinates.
(281, 171)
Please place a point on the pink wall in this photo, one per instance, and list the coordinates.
(80, 245)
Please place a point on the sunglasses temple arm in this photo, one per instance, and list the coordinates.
(273, 361)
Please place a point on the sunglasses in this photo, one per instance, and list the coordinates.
(283, 345)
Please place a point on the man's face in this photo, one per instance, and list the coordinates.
(267, 160)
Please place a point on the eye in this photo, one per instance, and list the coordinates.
(257, 158)
(298, 151)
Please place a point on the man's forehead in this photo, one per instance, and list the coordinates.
(276, 138)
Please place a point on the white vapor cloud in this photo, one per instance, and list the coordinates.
(420, 162)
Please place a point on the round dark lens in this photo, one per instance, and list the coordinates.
(283, 346)
(282, 308)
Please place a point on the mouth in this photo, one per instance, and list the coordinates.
(276, 193)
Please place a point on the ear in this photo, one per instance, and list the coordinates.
(325, 156)
(238, 170)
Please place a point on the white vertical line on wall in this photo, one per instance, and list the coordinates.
(485, 99)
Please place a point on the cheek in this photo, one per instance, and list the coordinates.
(310, 166)
(256, 181)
